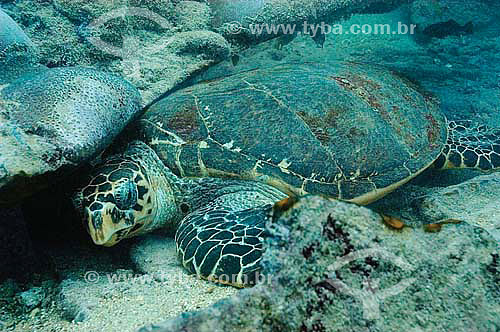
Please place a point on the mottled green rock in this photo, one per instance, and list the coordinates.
(333, 266)
(192, 16)
(53, 121)
(474, 201)
(234, 17)
(18, 54)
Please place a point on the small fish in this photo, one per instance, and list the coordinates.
(284, 40)
(392, 222)
(235, 58)
(449, 28)
(319, 39)
(436, 227)
(282, 206)
(432, 228)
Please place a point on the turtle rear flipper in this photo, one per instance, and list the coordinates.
(470, 145)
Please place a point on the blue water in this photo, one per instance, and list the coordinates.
(452, 52)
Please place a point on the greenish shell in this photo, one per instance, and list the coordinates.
(344, 130)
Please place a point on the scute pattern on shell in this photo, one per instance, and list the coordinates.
(342, 129)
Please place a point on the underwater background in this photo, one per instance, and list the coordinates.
(160, 45)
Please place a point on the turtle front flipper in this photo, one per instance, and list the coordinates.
(222, 240)
(470, 146)
(223, 246)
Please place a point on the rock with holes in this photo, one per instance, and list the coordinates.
(154, 44)
(13, 40)
(53, 121)
(332, 266)
(18, 54)
(475, 201)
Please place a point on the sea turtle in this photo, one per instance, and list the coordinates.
(213, 157)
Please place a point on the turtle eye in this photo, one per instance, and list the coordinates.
(126, 195)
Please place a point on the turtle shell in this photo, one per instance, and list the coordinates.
(344, 130)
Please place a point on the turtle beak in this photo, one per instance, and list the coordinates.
(101, 228)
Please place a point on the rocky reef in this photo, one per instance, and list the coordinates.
(155, 47)
(331, 266)
(18, 54)
(50, 122)
(328, 266)
(234, 18)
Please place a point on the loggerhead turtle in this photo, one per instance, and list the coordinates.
(212, 158)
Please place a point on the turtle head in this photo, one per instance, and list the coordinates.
(127, 195)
